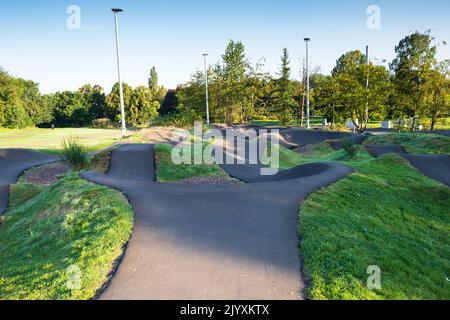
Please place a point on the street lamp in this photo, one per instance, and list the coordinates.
(307, 82)
(206, 88)
(367, 85)
(116, 11)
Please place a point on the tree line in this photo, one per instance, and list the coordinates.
(415, 84)
(22, 105)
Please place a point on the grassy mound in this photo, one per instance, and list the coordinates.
(318, 153)
(386, 214)
(60, 242)
(416, 143)
(167, 171)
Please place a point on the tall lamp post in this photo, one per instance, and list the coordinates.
(116, 11)
(206, 88)
(367, 86)
(307, 82)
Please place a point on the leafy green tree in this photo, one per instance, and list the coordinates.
(191, 99)
(233, 74)
(301, 88)
(438, 100)
(325, 100)
(21, 104)
(142, 107)
(95, 99)
(412, 69)
(359, 102)
(113, 101)
(70, 109)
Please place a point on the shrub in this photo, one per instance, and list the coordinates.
(349, 147)
(76, 153)
(184, 118)
(103, 123)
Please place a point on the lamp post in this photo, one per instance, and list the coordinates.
(116, 11)
(307, 82)
(367, 86)
(206, 88)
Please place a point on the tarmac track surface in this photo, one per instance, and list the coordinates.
(13, 162)
(210, 241)
(436, 167)
(291, 138)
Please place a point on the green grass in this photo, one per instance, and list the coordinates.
(318, 153)
(167, 171)
(387, 214)
(49, 140)
(72, 223)
(22, 192)
(417, 143)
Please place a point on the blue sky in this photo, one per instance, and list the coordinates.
(171, 35)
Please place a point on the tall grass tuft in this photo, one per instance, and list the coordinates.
(350, 148)
(76, 153)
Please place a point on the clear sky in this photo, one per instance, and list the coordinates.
(36, 44)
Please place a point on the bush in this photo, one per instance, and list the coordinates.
(103, 123)
(349, 147)
(76, 153)
(185, 118)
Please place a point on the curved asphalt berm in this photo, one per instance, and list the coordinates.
(434, 166)
(378, 150)
(295, 137)
(291, 138)
(12, 163)
(209, 241)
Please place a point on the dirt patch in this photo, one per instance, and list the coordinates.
(306, 150)
(101, 161)
(159, 135)
(208, 180)
(47, 174)
(44, 213)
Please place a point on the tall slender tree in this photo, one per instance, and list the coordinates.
(285, 100)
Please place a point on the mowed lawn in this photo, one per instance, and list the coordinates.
(49, 140)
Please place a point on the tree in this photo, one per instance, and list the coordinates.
(285, 96)
(95, 99)
(359, 102)
(412, 69)
(69, 109)
(233, 74)
(21, 103)
(191, 99)
(153, 80)
(158, 92)
(325, 100)
(169, 105)
(113, 101)
(301, 87)
(142, 107)
(438, 83)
